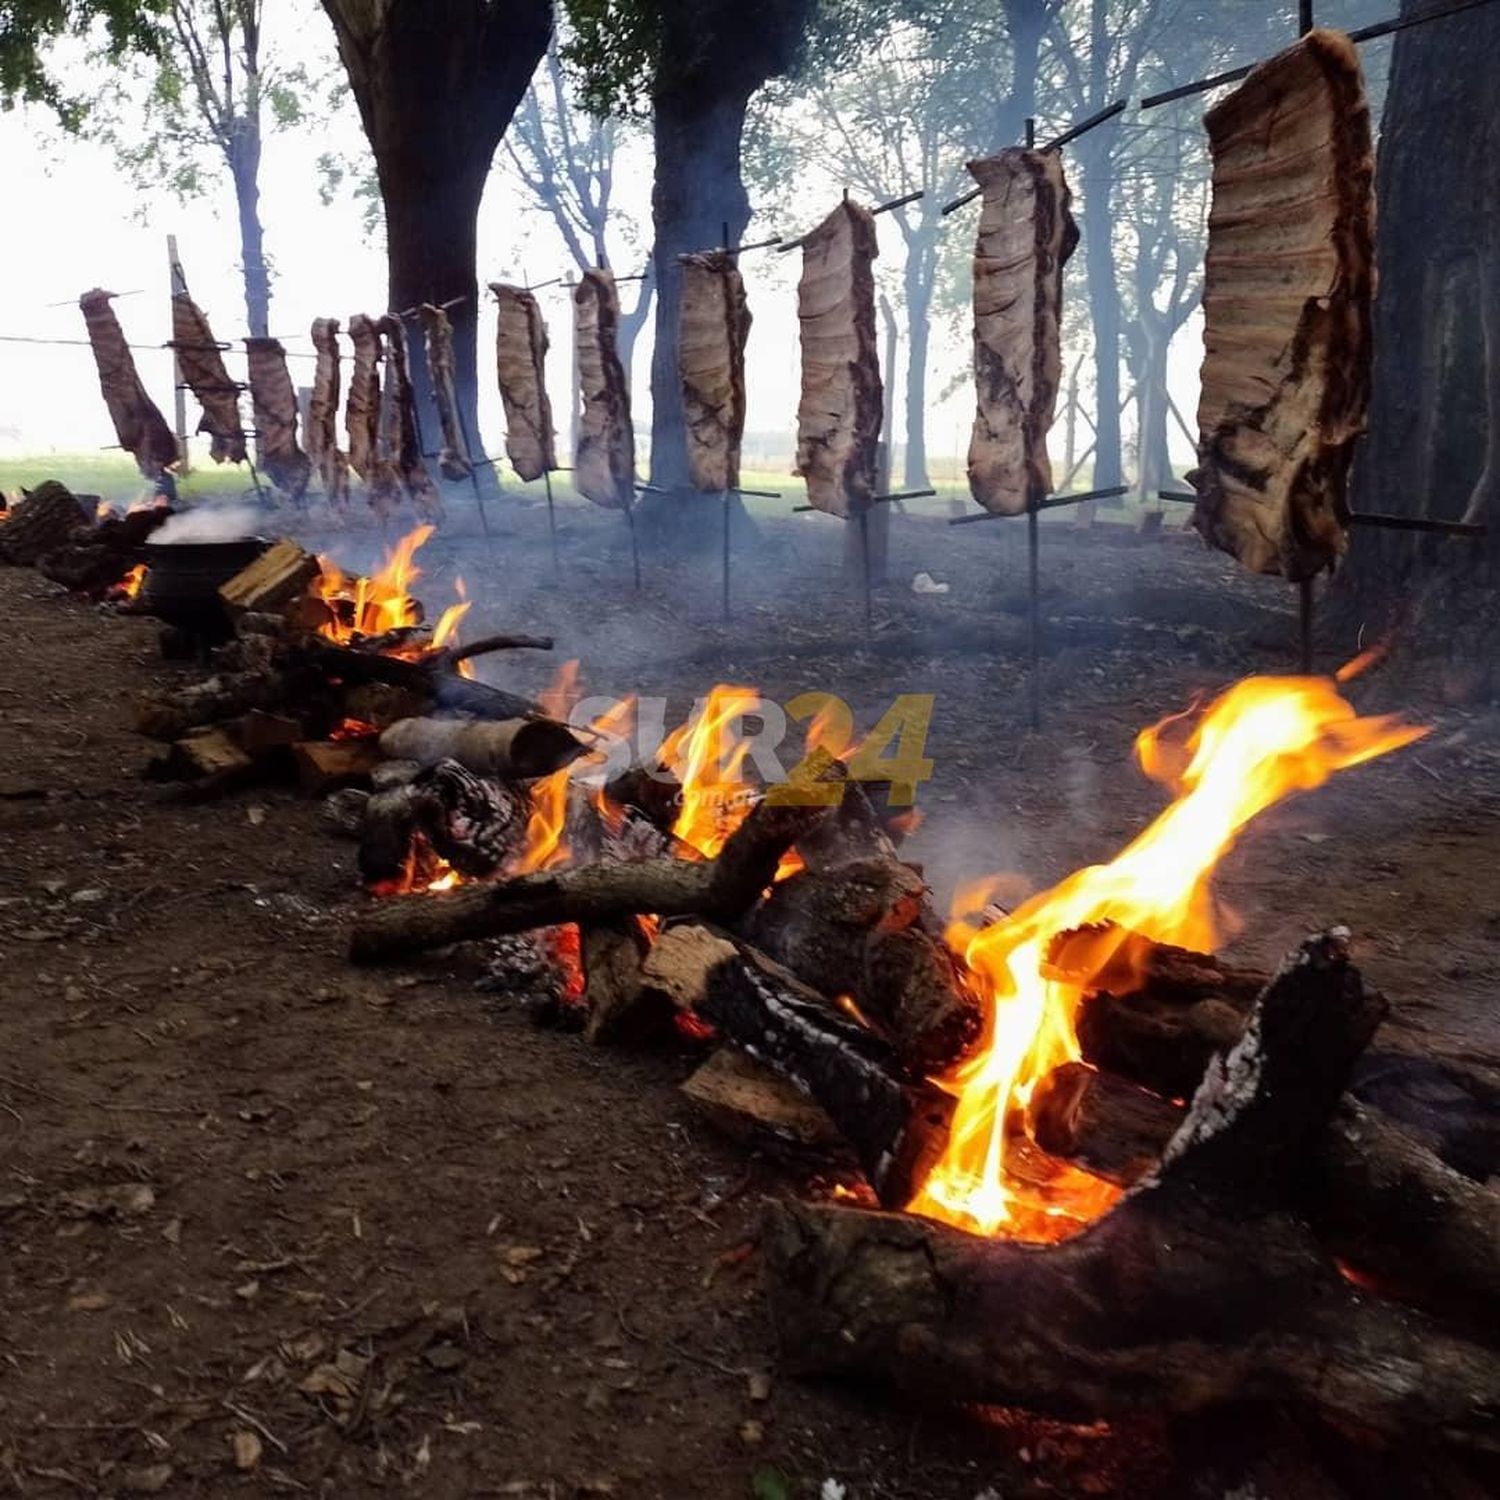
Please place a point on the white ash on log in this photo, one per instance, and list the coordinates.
(1198, 1289)
(1026, 235)
(1288, 287)
(866, 929)
(721, 888)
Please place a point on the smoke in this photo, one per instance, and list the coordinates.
(228, 522)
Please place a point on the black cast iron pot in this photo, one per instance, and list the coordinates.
(183, 579)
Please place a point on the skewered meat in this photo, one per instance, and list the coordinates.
(715, 322)
(838, 420)
(139, 424)
(521, 358)
(203, 369)
(604, 451)
(453, 458)
(274, 403)
(1026, 235)
(322, 414)
(363, 418)
(400, 442)
(1287, 305)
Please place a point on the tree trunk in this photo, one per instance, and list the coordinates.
(1155, 461)
(244, 168)
(436, 88)
(1097, 170)
(1436, 315)
(698, 189)
(633, 321)
(921, 268)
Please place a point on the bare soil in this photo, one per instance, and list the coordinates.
(373, 1231)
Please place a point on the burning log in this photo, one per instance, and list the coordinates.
(866, 930)
(104, 557)
(896, 1129)
(855, 831)
(515, 748)
(721, 888)
(47, 518)
(1197, 1289)
(1375, 1197)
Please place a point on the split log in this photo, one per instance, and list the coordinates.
(208, 757)
(275, 579)
(720, 888)
(897, 1130)
(325, 765)
(45, 519)
(750, 1104)
(612, 956)
(1375, 1197)
(866, 930)
(515, 748)
(169, 716)
(1197, 1289)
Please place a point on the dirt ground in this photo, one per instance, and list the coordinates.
(269, 1223)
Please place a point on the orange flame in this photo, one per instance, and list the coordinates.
(1262, 740)
(130, 585)
(371, 606)
(708, 759)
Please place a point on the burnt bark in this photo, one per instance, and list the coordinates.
(436, 87)
(1198, 1289)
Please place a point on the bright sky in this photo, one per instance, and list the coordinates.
(77, 222)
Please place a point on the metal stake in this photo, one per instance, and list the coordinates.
(1034, 649)
(551, 520)
(864, 551)
(635, 555)
(463, 428)
(727, 514)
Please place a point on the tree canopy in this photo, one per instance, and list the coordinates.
(27, 26)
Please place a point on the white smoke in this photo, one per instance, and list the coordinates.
(209, 523)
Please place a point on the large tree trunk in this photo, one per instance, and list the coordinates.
(436, 87)
(921, 270)
(244, 168)
(1436, 316)
(1096, 169)
(697, 191)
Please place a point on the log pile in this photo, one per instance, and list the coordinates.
(87, 551)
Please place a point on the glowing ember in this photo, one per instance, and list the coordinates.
(354, 729)
(1262, 740)
(425, 870)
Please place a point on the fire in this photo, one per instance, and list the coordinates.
(708, 759)
(1262, 740)
(545, 845)
(130, 585)
(371, 606)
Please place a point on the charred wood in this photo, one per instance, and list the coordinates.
(47, 518)
(720, 888)
(515, 748)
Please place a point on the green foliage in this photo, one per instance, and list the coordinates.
(27, 27)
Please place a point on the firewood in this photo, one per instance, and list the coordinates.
(278, 576)
(169, 715)
(855, 831)
(259, 733)
(516, 748)
(866, 930)
(720, 888)
(206, 756)
(896, 1129)
(1198, 1288)
(325, 765)
(1375, 1197)
(381, 705)
(45, 519)
(612, 955)
(750, 1104)
(433, 680)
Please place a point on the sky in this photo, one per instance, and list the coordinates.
(78, 222)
